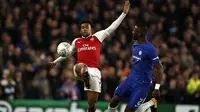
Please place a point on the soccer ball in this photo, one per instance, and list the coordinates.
(63, 49)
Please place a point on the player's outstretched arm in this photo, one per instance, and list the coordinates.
(159, 72)
(61, 58)
(101, 35)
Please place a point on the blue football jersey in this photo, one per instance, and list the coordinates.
(144, 57)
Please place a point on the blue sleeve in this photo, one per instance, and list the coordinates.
(153, 55)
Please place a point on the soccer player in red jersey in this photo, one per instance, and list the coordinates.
(88, 48)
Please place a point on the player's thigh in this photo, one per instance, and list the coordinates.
(92, 97)
(95, 85)
(139, 95)
(95, 80)
(123, 89)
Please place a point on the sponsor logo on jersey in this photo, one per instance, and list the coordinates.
(86, 47)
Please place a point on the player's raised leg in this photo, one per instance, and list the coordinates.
(81, 73)
(92, 83)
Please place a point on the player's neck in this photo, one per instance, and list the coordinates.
(142, 41)
(86, 36)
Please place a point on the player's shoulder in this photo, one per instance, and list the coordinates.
(150, 46)
(75, 40)
(100, 33)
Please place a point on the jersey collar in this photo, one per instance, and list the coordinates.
(87, 36)
(136, 43)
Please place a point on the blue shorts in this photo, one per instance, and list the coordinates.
(136, 91)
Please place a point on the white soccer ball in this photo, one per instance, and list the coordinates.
(63, 49)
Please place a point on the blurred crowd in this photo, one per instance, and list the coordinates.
(30, 31)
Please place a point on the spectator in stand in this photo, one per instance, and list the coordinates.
(43, 83)
(19, 85)
(8, 86)
(68, 89)
(193, 83)
(196, 96)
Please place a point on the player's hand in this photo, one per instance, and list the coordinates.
(156, 94)
(126, 6)
(52, 64)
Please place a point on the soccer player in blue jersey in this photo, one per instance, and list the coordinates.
(139, 82)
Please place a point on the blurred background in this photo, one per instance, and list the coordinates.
(30, 31)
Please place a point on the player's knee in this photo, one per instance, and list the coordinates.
(79, 69)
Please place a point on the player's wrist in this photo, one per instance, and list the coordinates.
(55, 61)
(157, 86)
(124, 13)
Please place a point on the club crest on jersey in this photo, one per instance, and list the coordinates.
(140, 53)
(92, 39)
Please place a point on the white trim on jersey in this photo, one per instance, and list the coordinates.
(137, 58)
(155, 58)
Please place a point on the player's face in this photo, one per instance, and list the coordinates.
(136, 33)
(86, 29)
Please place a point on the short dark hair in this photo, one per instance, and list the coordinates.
(85, 21)
(143, 27)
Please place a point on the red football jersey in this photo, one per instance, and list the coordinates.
(88, 51)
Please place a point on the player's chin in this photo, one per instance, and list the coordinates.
(135, 38)
(85, 34)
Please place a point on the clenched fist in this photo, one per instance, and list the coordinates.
(126, 6)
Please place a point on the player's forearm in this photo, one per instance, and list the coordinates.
(159, 75)
(59, 59)
(159, 72)
(115, 24)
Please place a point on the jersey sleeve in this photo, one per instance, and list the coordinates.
(153, 56)
(59, 59)
(73, 47)
(101, 35)
(72, 50)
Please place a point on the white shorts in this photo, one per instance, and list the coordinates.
(95, 79)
